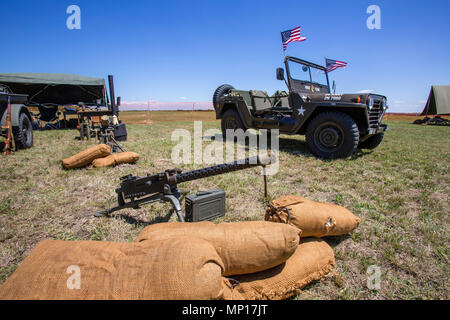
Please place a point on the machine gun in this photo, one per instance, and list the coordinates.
(136, 191)
(105, 134)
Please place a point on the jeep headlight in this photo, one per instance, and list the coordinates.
(370, 103)
(383, 104)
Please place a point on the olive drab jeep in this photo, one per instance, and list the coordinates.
(335, 125)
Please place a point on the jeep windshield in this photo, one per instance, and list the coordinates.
(306, 77)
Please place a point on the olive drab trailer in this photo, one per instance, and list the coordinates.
(335, 125)
(15, 121)
(50, 90)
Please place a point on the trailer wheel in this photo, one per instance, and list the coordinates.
(23, 134)
(332, 135)
(372, 142)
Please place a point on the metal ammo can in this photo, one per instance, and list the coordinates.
(205, 205)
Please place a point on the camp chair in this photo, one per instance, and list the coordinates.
(71, 123)
(48, 114)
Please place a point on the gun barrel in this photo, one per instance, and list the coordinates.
(143, 190)
(113, 96)
(222, 168)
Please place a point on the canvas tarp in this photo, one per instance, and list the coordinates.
(438, 101)
(52, 88)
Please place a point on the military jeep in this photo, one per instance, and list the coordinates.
(335, 125)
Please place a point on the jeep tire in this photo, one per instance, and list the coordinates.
(23, 134)
(332, 135)
(231, 120)
(373, 142)
(221, 91)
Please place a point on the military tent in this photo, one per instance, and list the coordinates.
(438, 101)
(55, 89)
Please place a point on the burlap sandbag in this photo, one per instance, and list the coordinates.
(313, 259)
(104, 162)
(115, 159)
(244, 247)
(179, 268)
(86, 157)
(315, 219)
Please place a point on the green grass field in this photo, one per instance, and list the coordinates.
(400, 191)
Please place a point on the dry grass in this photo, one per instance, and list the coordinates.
(400, 191)
(145, 117)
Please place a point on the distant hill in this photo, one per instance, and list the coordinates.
(155, 105)
(403, 114)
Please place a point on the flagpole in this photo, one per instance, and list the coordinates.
(325, 58)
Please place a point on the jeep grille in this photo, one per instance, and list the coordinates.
(376, 113)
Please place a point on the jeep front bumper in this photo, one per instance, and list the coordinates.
(380, 129)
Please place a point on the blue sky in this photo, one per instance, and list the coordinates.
(182, 50)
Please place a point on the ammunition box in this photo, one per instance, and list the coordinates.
(120, 132)
(205, 205)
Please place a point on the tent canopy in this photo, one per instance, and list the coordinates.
(55, 89)
(438, 101)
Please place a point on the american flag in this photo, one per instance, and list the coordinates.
(334, 64)
(290, 36)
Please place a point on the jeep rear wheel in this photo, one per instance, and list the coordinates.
(373, 142)
(23, 134)
(231, 121)
(332, 135)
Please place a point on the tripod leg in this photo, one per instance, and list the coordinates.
(107, 212)
(176, 205)
(117, 144)
(265, 182)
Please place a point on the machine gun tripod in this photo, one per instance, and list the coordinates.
(136, 191)
(105, 134)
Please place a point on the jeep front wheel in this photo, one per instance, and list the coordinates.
(332, 135)
(373, 142)
(23, 134)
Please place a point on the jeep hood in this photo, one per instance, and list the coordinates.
(327, 97)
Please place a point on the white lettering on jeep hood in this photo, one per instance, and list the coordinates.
(333, 97)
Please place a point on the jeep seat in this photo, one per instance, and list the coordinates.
(260, 101)
(245, 94)
(280, 99)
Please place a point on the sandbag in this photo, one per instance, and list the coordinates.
(86, 157)
(104, 162)
(125, 157)
(115, 159)
(179, 268)
(244, 247)
(312, 259)
(315, 219)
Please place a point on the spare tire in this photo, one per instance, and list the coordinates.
(221, 91)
